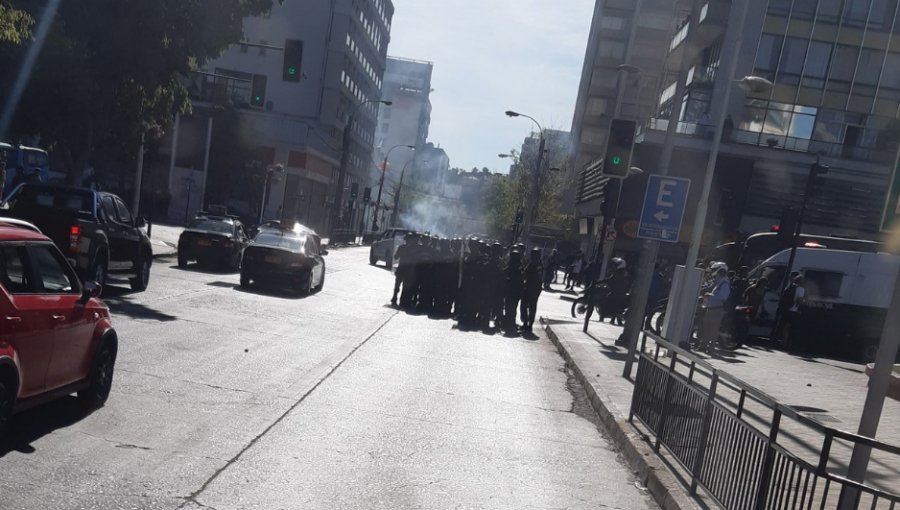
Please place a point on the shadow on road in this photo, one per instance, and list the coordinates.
(261, 290)
(120, 303)
(36, 423)
(204, 269)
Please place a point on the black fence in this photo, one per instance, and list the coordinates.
(741, 446)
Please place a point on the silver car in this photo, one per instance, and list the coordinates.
(384, 248)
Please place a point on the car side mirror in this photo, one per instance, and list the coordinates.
(140, 222)
(90, 290)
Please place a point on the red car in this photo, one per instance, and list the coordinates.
(55, 335)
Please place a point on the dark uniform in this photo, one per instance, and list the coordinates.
(513, 286)
(426, 276)
(534, 275)
(497, 290)
(404, 266)
(408, 298)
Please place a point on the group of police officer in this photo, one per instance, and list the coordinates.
(481, 284)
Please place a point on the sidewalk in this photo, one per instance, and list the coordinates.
(164, 239)
(827, 391)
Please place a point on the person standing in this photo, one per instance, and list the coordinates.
(403, 266)
(513, 284)
(714, 309)
(550, 270)
(534, 273)
(794, 296)
(577, 268)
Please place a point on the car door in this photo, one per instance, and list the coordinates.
(115, 233)
(25, 324)
(131, 234)
(70, 325)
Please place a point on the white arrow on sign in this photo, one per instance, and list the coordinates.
(661, 216)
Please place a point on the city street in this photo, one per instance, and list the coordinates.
(225, 398)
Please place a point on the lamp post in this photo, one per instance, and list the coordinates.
(345, 162)
(400, 188)
(534, 193)
(271, 170)
(381, 183)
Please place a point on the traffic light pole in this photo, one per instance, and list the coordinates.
(336, 207)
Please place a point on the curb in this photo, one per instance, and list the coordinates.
(666, 490)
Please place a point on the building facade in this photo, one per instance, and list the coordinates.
(834, 69)
(298, 76)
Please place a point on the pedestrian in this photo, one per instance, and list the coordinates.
(534, 272)
(577, 268)
(404, 263)
(755, 295)
(791, 299)
(498, 284)
(550, 270)
(714, 309)
(408, 296)
(514, 286)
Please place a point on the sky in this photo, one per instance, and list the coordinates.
(491, 56)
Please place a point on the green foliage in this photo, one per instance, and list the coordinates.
(15, 24)
(111, 69)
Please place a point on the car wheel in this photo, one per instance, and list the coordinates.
(245, 279)
(100, 379)
(142, 280)
(372, 258)
(182, 260)
(98, 272)
(6, 405)
(321, 282)
(236, 264)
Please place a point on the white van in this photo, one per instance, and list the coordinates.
(847, 297)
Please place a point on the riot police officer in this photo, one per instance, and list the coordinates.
(534, 275)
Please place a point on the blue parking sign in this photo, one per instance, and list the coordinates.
(663, 210)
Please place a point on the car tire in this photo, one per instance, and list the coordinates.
(7, 397)
(236, 263)
(100, 378)
(321, 282)
(245, 280)
(372, 258)
(140, 282)
(182, 260)
(98, 270)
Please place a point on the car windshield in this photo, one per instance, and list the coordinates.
(452, 254)
(209, 225)
(285, 240)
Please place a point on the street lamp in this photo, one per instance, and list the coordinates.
(384, 165)
(270, 174)
(345, 161)
(535, 191)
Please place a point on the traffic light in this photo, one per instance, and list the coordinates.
(788, 225)
(293, 58)
(617, 161)
(354, 191)
(258, 91)
(367, 195)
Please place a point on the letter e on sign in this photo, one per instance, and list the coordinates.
(663, 198)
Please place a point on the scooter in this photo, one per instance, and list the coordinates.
(616, 314)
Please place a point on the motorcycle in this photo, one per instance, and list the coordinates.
(616, 314)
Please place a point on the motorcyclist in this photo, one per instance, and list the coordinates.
(610, 293)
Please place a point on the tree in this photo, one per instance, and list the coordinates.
(111, 71)
(15, 24)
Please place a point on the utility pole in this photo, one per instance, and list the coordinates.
(138, 179)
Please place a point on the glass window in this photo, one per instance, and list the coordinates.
(207, 225)
(793, 56)
(14, 270)
(802, 126)
(891, 73)
(780, 7)
(124, 214)
(818, 59)
(774, 275)
(869, 66)
(823, 284)
(856, 12)
(613, 22)
(829, 10)
(55, 279)
(777, 122)
(767, 54)
(611, 49)
(844, 63)
(109, 208)
(804, 9)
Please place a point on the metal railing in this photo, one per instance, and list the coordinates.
(717, 428)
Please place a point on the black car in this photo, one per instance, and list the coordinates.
(95, 230)
(285, 257)
(213, 240)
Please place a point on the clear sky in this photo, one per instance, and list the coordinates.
(491, 56)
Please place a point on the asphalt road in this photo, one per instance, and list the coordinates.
(230, 399)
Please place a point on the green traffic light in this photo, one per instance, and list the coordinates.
(616, 160)
(292, 71)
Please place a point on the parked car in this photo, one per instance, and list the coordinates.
(386, 245)
(56, 337)
(290, 258)
(213, 240)
(95, 230)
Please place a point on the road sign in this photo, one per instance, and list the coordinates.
(664, 205)
(611, 234)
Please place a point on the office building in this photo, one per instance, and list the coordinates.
(300, 73)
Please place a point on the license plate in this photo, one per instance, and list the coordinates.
(203, 242)
(272, 259)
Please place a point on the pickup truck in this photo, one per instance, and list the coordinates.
(93, 229)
